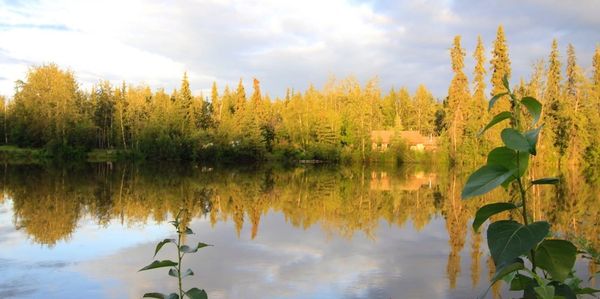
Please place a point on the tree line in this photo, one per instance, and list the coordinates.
(50, 111)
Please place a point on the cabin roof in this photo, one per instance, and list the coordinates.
(410, 137)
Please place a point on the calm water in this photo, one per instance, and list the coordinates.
(308, 232)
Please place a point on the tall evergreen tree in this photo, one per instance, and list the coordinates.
(240, 94)
(185, 103)
(256, 95)
(575, 89)
(479, 76)
(217, 104)
(477, 111)
(500, 67)
(592, 110)
(596, 69)
(558, 119)
(458, 99)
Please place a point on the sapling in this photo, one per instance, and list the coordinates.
(549, 272)
(175, 267)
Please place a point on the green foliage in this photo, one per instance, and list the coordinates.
(175, 266)
(49, 110)
(508, 239)
(511, 241)
(557, 257)
(487, 211)
(498, 118)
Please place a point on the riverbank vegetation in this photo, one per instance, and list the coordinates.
(50, 113)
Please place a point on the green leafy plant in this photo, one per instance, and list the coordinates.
(523, 253)
(175, 267)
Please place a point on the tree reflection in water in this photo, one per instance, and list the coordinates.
(48, 202)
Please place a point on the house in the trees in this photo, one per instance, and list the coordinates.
(383, 139)
(380, 181)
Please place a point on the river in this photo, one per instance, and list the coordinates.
(317, 231)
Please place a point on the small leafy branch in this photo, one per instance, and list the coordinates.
(549, 273)
(175, 266)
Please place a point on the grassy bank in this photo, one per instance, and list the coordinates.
(17, 155)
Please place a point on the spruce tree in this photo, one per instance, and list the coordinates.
(592, 111)
(500, 67)
(596, 67)
(478, 106)
(217, 105)
(575, 87)
(479, 77)
(240, 94)
(185, 104)
(558, 120)
(458, 97)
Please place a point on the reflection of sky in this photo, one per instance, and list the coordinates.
(28, 268)
(281, 262)
(88, 241)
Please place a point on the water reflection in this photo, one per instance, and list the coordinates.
(309, 232)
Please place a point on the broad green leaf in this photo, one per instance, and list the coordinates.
(545, 292)
(532, 139)
(508, 239)
(534, 107)
(521, 282)
(496, 119)
(563, 290)
(161, 244)
(487, 211)
(161, 296)
(546, 181)
(173, 272)
(159, 264)
(510, 159)
(502, 272)
(187, 272)
(557, 257)
(494, 99)
(188, 249)
(513, 139)
(485, 179)
(508, 269)
(195, 293)
(188, 231)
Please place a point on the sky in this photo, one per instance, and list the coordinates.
(281, 43)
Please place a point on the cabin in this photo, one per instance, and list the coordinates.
(382, 140)
(381, 181)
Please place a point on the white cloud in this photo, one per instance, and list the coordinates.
(283, 43)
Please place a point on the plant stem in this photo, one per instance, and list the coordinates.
(179, 262)
(523, 201)
(523, 193)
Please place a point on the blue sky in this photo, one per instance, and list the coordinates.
(282, 43)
